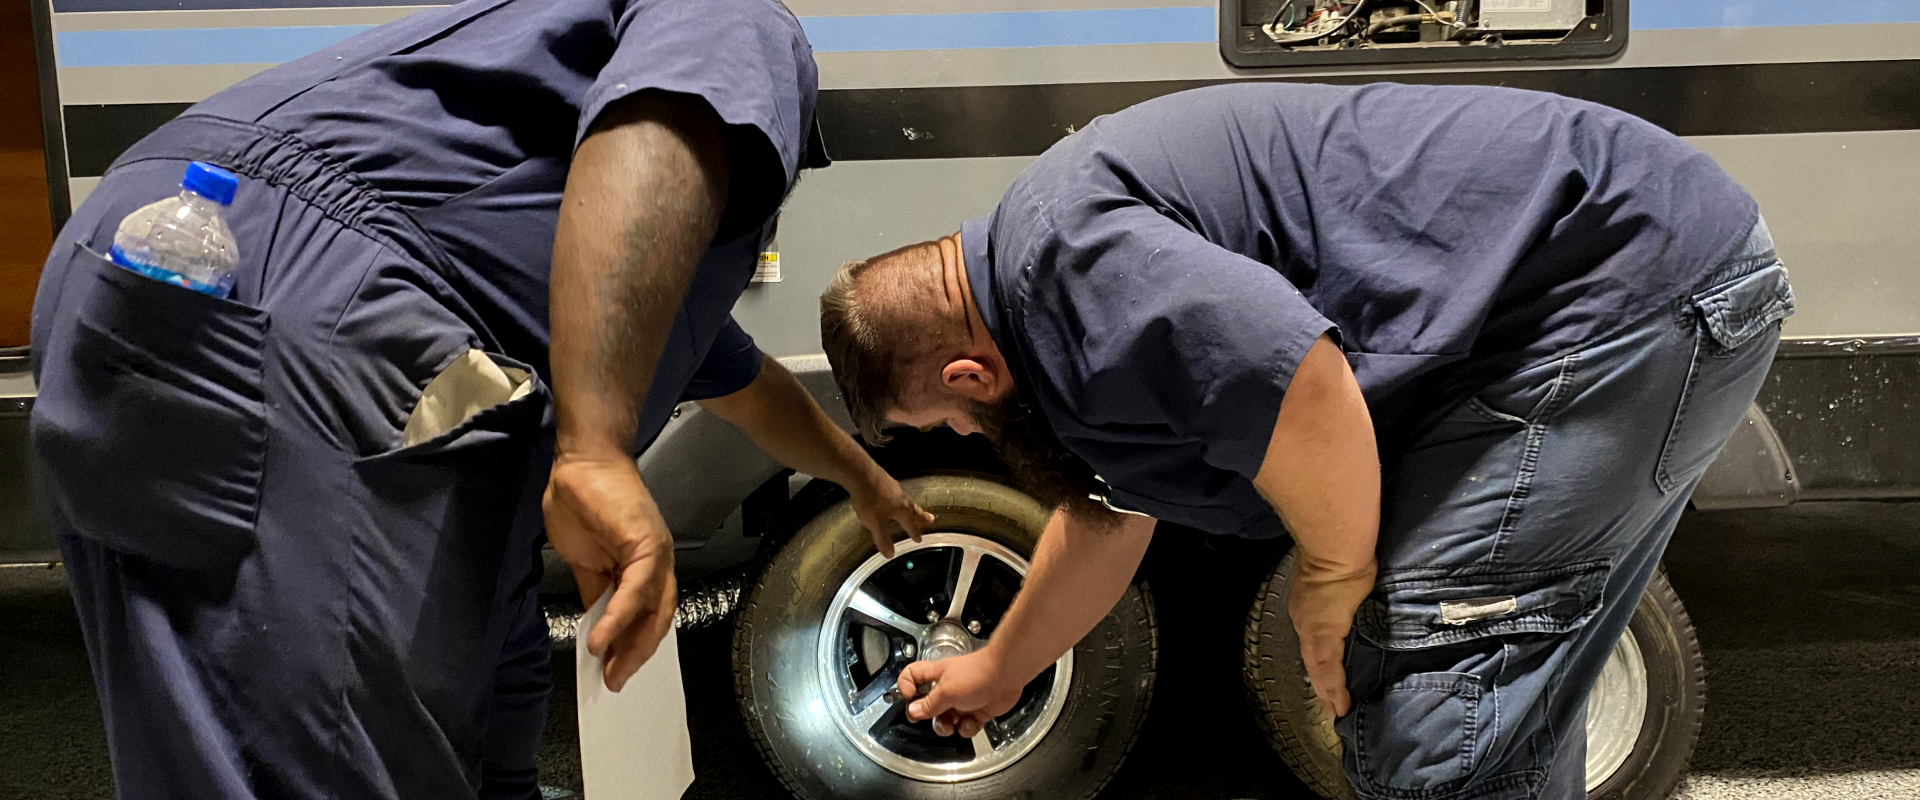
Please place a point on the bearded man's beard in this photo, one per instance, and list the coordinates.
(1042, 466)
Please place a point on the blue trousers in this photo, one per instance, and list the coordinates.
(280, 598)
(1518, 533)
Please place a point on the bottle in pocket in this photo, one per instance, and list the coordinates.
(184, 240)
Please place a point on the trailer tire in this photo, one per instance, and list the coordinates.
(1671, 673)
(786, 688)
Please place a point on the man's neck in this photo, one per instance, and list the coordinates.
(959, 293)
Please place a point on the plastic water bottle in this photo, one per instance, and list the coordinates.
(183, 240)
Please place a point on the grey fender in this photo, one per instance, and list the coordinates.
(1752, 471)
(700, 469)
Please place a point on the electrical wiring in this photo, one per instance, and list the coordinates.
(1284, 7)
(1450, 21)
(1336, 25)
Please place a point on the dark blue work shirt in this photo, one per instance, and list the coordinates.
(1155, 279)
(468, 116)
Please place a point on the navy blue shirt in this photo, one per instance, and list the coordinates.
(468, 116)
(1155, 278)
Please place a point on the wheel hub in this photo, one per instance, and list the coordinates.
(961, 585)
(1616, 710)
(947, 639)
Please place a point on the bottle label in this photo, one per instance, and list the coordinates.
(221, 290)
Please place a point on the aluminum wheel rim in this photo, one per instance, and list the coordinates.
(865, 718)
(1616, 710)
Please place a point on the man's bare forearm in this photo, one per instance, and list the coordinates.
(1322, 467)
(1080, 569)
(778, 415)
(644, 198)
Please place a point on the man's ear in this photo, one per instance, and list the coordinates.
(973, 379)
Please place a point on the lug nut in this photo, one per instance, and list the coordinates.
(974, 627)
(908, 650)
(933, 617)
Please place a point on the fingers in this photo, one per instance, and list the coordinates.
(628, 601)
(955, 723)
(916, 520)
(1341, 702)
(1328, 676)
(641, 640)
(969, 726)
(882, 541)
(917, 674)
(937, 702)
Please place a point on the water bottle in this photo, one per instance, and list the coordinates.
(183, 240)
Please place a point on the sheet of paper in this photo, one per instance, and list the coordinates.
(634, 744)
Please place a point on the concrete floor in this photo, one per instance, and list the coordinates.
(1810, 617)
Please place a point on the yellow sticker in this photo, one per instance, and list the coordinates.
(768, 268)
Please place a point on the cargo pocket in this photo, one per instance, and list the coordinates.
(1728, 317)
(1441, 657)
(152, 428)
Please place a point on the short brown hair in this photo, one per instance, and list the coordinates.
(853, 348)
(873, 331)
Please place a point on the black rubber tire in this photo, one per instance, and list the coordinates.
(1302, 733)
(776, 680)
(1280, 696)
(1676, 699)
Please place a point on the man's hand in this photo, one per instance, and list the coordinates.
(884, 507)
(601, 519)
(1322, 603)
(778, 415)
(969, 691)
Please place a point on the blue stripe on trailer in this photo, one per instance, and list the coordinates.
(1650, 15)
(1005, 29)
(184, 46)
(890, 32)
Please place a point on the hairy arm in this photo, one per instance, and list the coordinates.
(778, 415)
(1082, 566)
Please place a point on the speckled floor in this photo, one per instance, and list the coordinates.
(1810, 617)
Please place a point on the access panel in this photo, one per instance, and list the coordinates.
(1284, 33)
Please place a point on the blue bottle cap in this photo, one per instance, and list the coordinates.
(210, 182)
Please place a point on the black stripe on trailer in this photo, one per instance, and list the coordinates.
(1023, 120)
(974, 121)
(96, 135)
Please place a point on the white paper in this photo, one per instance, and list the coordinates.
(634, 744)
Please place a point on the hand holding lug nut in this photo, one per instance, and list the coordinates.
(893, 695)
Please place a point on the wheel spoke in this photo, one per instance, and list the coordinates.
(870, 607)
(866, 718)
(982, 746)
(963, 584)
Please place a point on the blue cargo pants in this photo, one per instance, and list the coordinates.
(283, 594)
(1518, 533)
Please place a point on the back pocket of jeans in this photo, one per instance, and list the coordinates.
(1731, 315)
(150, 424)
(1740, 309)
